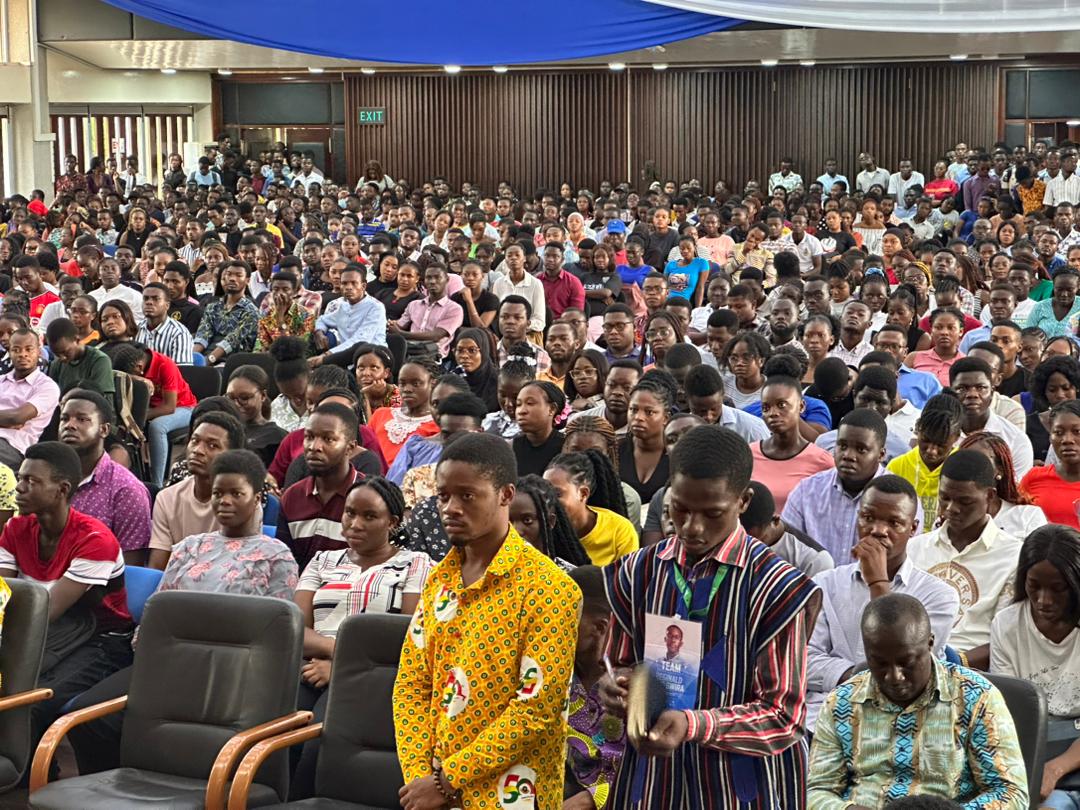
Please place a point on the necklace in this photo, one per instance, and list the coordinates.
(400, 427)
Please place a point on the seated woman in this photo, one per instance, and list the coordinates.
(589, 491)
(249, 389)
(584, 386)
(1009, 509)
(740, 365)
(539, 408)
(375, 574)
(946, 328)
(539, 517)
(289, 408)
(643, 459)
(514, 375)
(589, 432)
(375, 377)
(1055, 488)
(393, 425)
(235, 557)
(472, 351)
(937, 431)
(117, 324)
(1036, 639)
(83, 313)
(1054, 380)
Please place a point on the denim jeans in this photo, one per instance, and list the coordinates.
(159, 440)
(1063, 800)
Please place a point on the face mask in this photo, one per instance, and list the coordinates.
(341, 204)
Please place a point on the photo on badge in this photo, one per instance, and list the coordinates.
(673, 652)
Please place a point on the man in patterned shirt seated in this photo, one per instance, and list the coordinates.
(913, 725)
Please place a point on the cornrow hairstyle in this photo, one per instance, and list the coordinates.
(427, 363)
(940, 418)
(587, 423)
(661, 385)
(594, 470)
(330, 376)
(395, 504)
(560, 539)
(1006, 481)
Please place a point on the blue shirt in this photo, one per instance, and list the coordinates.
(416, 452)
(917, 386)
(827, 182)
(816, 411)
(973, 337)
(362, 322)
(633, 275)
(683, 281)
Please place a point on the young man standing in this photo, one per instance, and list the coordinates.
(160, 332)
(740, 741)
(476, 730)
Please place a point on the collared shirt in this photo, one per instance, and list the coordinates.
(956, 741)
(751, 428)
(543, 359)
(531, 290)
(307, 180)
(298, 322)
(307, 525)
(494, 722)
(1063, 189)
(827, 181)
(806, 249)
(788, 181)
(1023, 455)
(229, 328)
(36, 389)
(898, 185)
(418, 451)
(113, 495)
(170, 339)
(917, 386)
(877, 177)
(977, 187)
(121, 292)
(851, 357)
(836, 644)
(425, 315)
(896, 442)
(362, 322)
(982, 574)
(562, 292)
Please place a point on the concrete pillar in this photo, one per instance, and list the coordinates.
(31, 150)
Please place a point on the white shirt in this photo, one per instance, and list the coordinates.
(898, 185)
(806, 250)
(1019, 519)
(1010, 410)
(1019, 314)
(1063, 189)
(51, 312)
(1019, 650)
(903, 421)
(878, 176)
(1023, 456)
(531, 289)
(306, 180)
(982, 574)
(131, 297)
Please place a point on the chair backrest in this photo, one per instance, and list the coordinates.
(208, 665)
(140, 584)
(398, 347)
(204, 381)
(26, 621)
(1027, 705)
(272, 509)
(263, 361)
(358, 754)
(198, 359)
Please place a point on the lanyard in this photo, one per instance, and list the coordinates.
(688, 594)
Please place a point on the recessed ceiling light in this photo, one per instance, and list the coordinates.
(368, 71)
(131, 73)
(807, 62)
(1072, 123)
(288, 78)
(224, 72)
(958, 57)
(770, 62)
(500, 68)
(314, 70)
(168, 71)
(659, 66)
(452, 69)
(617, 65)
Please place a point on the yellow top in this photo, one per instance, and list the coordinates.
(484, 676)
(910, 467)
(612, 537)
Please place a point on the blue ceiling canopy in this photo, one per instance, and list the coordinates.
(435, 33)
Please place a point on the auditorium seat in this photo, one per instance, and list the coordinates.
(213, 674)
(26, 621)
(1027, 705)
(358, 767)
(263, 361)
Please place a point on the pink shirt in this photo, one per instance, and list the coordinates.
(781, 477)
(929, 362)
(37, 389)
(423, 316)
(721, 248)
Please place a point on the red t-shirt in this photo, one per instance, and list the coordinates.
(1054, 496)
(38, 304)
(72, 269)
(87, 553)
(166, 376)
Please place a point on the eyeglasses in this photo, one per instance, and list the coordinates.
(466, 351)
(662, 332)
(613, 325)
(577, 373)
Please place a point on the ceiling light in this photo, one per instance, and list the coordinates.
(500, 68)
(168, 71)
(131, 73)
(288, 78)
(659, 66)
(958, 57)
(770, 62)
(617, 65)
(224, 72)
(70, 74)
(807, 62)
(368, 71)
(314, 70)
(1072, 123)
(452, 69)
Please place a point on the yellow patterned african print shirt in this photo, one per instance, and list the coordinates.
(484, 679)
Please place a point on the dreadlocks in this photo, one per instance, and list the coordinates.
(559, 538)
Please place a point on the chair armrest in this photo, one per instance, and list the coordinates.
(46, 750)
(250, 764)
(239, 743)
(24, 699)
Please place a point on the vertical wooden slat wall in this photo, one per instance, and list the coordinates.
(538, 128)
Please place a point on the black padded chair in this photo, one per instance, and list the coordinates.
(204, 381)
(263, 361)
(1027, 705)
(398, 347)
(358, 766)
(213, 674)
(26, 621)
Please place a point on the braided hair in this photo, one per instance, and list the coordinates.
(395, 504)
(560, 539)
(1006, 481)
(593, 469)
(660, 384)
(587, 423)
(940, 418)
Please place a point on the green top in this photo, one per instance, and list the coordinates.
(93, 370)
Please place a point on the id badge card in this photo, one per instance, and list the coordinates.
(673, 653)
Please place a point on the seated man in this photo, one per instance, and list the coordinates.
(915, 386)
(112, 290)
(77, 365)
(705, 398)
(875, 388)
(432, 320)
(80, 562)
(27, 398)
(160, 332)
(186, 508)
(230, 323)
(359, 318)
(763, 524)
(887, 519)
(108, 491)
(969, 552)
(913, 724)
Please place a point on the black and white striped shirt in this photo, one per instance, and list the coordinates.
(171, 339)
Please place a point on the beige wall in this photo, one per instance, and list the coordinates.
(72, 82)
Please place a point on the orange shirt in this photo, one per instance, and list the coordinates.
(392, 427)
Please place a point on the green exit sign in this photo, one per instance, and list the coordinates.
(373, 115)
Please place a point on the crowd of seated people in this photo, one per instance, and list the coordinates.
(798, 462)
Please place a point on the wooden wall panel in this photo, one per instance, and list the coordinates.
(538, 128)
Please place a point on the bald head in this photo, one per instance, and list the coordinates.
(898, 613)
(899, 646)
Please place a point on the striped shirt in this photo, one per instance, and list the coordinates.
(745, 736)
(956, 741)
(170, 339)
(306, 524)
(342, 588)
